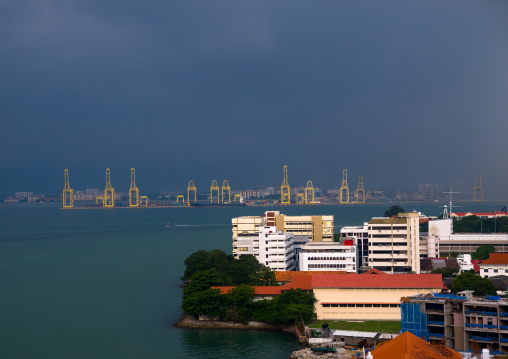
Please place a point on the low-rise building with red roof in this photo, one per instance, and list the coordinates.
(495, 265)
(370, 296)
(373, 295)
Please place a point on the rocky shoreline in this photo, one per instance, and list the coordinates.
(191, 323)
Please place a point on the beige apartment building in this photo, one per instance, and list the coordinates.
(394, 243)
(317, 228)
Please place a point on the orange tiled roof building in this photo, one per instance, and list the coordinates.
(409, 346)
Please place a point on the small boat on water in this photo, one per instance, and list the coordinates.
(170, 225)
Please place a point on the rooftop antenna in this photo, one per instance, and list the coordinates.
(445, 214)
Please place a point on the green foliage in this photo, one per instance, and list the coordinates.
(266, 277)
(202, 280)
(246, 270)
(470, 281)
(336, 237)
(205, 302)
(292, 305)
(446, 271)
(424, 227)
(453, 254)
(195, 262)
(483, 252)
(241, 301)
(393, 211)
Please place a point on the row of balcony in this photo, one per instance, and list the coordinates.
(483, 313)
(488, 326)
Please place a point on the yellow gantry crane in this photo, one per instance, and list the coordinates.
(478, 190)
(109, 192)
(68, 192)
(180, 197)
(238, 198)
(191, 188)
(143, 201)
(99, 200)
(285, 191)
(344, 189)
(300, 198)
(309, 192)
(360, 191)
(214, 188)
(226, 188)
(133, 191)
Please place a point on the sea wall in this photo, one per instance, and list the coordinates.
(191, 323)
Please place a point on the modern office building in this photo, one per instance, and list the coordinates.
(394, 243)
(316, 228)
(388, 244)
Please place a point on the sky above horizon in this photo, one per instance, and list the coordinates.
(401, 92)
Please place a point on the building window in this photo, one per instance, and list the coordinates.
(326, 305)
(335, 305)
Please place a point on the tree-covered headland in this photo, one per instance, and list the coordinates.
(204, 270)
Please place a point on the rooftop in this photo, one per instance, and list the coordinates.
(496, 258)
(409, 346)
(369, 280)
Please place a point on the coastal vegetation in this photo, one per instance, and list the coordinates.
(246, 270)
(205, 270)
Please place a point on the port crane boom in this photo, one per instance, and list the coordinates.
(285, 191)
(133, 191)
(68, 192)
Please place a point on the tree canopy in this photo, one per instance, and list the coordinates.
(246, 270)
(470, 281)
(483, 252)
(474, 224)
(394, 210)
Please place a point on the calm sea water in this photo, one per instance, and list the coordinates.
(105, 283)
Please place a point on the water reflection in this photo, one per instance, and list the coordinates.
(243, 344)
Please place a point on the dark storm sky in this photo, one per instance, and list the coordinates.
(403, 92)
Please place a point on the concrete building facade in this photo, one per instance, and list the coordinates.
(394, 243)
(272, 248)
(326, 256)
(373, 295)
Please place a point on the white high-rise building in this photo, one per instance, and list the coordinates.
(272, 248)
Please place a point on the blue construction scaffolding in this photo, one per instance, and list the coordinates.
(413, 320)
